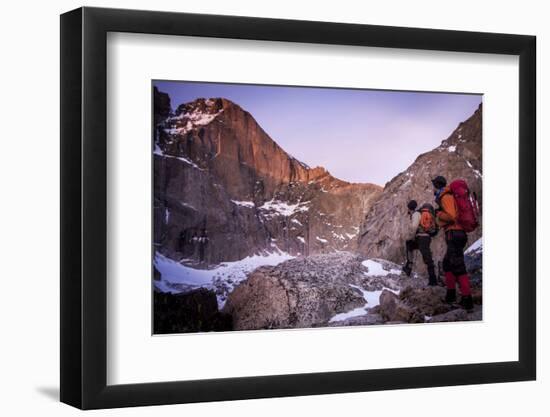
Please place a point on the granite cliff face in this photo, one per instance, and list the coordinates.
(224, 190)
(459, 156)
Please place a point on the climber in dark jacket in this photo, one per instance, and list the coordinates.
(418, 239)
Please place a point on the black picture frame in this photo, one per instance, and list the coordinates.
(84, 207)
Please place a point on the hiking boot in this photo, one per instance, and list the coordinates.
(467, 303)
(407, 269)
(450, 297)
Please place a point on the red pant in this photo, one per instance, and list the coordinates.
(463, 282)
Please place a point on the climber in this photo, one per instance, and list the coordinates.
(419, 237)
(456, 216)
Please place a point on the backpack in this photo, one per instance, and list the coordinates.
(427, 220)
(466, 204)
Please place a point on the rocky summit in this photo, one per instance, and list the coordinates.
(223, 190)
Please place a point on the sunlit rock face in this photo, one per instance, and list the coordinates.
(224, 190)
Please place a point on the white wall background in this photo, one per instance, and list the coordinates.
(29, 213)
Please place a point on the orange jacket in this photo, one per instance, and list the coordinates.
(449, 212)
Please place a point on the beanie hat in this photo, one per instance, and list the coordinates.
(411, 205)
(439, 182)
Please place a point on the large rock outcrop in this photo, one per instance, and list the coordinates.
(225, 190)
(303, 292)
(459, 156)
(423, 305)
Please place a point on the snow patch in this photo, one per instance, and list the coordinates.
(372, 299)
(185, 122)
(301, 239)
(356, 312)
(476, 246)
(476, 172)
(177, 277)
(376, 269)
(159, 152)
(248, 204)
(320, 239)
(451, 148)
(276, 208)
(186, 160)
(184, 204)
(297, 222)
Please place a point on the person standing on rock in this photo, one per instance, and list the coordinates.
(456, 238)
(419, 237)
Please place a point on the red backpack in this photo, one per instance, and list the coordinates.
(468, 209)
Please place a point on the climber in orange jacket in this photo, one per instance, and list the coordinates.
(456, 238)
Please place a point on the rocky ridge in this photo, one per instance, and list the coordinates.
(459, 156)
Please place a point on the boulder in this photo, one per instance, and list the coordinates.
(194, 311)
(427, 301)
(303, 292)
(477, 295)
(392, 309)
(415, 305)
(458, 314)
(477, 314)
(474, 265)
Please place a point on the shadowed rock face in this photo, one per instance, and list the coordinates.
(224, 189)
(459, 156)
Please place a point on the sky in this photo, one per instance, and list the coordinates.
(357, 135)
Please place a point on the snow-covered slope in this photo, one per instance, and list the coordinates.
(176, 277)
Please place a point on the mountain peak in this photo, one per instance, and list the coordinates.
(189, 116)
(212, 105)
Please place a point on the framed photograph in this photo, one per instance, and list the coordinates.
(258, 207)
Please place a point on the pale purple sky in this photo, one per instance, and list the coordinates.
(358, 135)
